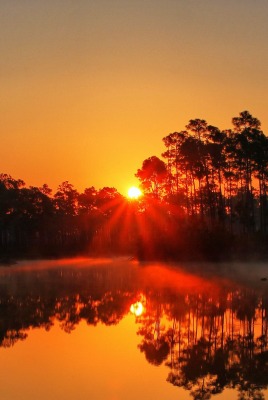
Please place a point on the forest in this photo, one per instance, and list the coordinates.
(204, 198)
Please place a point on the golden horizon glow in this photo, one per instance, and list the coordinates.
(93, 83)
(134, 192)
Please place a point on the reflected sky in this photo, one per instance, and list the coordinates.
(114, 329)
(89, 363)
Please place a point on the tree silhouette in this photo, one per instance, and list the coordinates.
(153, 176)
(206, 200)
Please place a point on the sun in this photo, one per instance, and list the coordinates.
(137, 308)
(134, 192)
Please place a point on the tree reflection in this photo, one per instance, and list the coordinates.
(224, 350)
(209, 340)
(156, 351)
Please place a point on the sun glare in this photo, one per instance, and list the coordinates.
(134, 192)
(137, 308)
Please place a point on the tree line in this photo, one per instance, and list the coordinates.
(214, 183)
(33, 222)
(206, 198)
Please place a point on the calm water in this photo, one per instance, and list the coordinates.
(115, 329)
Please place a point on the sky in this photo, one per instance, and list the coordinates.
(89, 88)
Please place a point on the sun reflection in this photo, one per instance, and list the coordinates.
(137, 308)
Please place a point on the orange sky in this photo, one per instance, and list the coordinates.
(90, 88)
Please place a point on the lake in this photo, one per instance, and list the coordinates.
(119, 329)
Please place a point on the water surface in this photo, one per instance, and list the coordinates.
(117, 329)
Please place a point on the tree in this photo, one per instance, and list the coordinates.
(87, 200)
(245, 121)
(153, 176)
(173, 143)
(247, 131)
(66, 199)
(198, 127)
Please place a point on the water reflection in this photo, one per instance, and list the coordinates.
(210, 333)
(137, 308)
